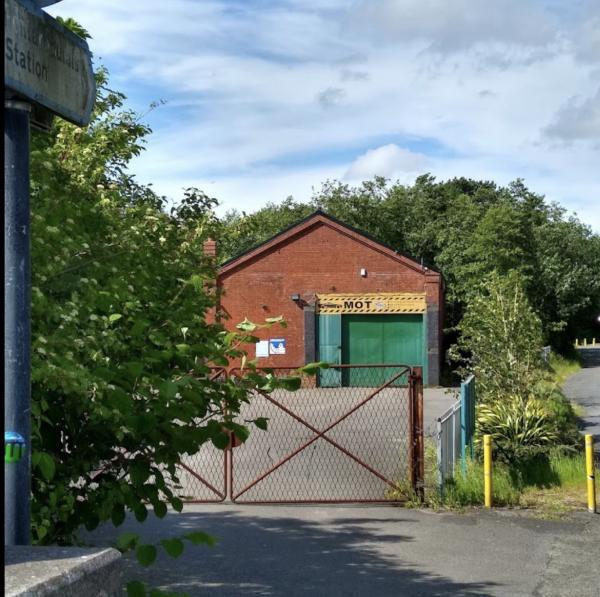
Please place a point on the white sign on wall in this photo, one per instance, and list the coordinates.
(262, 349)
(277, 346)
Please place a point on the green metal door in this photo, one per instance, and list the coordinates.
(330, 349)
(381, 339)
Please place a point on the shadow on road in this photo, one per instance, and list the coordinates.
(590, 357)
(271, 556)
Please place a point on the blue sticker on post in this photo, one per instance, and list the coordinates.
(14, 446)
(277, 346)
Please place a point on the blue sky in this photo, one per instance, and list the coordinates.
(266, 99)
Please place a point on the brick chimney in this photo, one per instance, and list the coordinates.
(210, 248)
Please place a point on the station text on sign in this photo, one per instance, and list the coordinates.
(46, 63)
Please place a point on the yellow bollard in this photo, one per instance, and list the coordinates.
(589, 465)
(487, 470)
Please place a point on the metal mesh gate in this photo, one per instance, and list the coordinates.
(323, 444)
(203, 475)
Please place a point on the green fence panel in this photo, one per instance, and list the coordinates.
(467, 418)
(330, 349)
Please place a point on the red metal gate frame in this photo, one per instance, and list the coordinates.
(417, 443)
(222, 495)
(416, 446)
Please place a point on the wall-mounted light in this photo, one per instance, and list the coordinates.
(363, 272)
(295, 298)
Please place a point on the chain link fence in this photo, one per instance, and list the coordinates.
(348, 434)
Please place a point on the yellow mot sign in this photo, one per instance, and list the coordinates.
(381, 302)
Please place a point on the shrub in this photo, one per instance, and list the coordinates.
(501, 339)
(521, 428)
(561, 412)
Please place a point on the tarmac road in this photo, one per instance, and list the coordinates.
(584, 389)
(374, 551)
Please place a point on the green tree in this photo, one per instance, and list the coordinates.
(566, 287)
(121, 348)
(501, 339)
(239, 231)
(465, 229)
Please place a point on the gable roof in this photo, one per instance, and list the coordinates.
(304, 225)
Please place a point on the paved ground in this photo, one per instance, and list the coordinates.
(584, 389)
(381, 551)
(385, 551)
(436, 401)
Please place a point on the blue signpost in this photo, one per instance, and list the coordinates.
(46, 67)
(16, 317)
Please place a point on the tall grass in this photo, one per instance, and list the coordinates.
(466, 488)
(562, 368)
(555, 471)
(551, 484)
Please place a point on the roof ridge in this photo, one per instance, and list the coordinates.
(320, 212)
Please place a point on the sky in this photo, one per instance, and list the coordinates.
(263, 99)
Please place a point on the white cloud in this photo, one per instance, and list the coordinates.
(578, 120)
(453, 25)
(389, 161)
(331, 97)
(457, 87)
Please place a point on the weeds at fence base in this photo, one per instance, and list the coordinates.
(550, 486)
(402, 492)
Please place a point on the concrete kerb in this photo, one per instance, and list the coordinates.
(66, 571)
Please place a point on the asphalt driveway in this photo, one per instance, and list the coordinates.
(583, 388)
(383, 551)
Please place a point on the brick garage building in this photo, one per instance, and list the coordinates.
(346, 298)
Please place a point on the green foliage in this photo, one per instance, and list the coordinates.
(74, 26)
(200, 538)
(554, 468)
(501, 339)
(465, 229)
(562, 413)
(121, 347)
(521, 428)
(174, 547)
(146, 554)
(545, 482)
(241, 231)
(561, 368)
(466, 488)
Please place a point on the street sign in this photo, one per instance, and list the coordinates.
(46, 63)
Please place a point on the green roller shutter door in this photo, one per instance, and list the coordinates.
(381, 339)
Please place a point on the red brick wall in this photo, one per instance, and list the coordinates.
(320, 260)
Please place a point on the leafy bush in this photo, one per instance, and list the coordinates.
(501, 339)
(121, 346)
(521, 428)
(562, 414)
